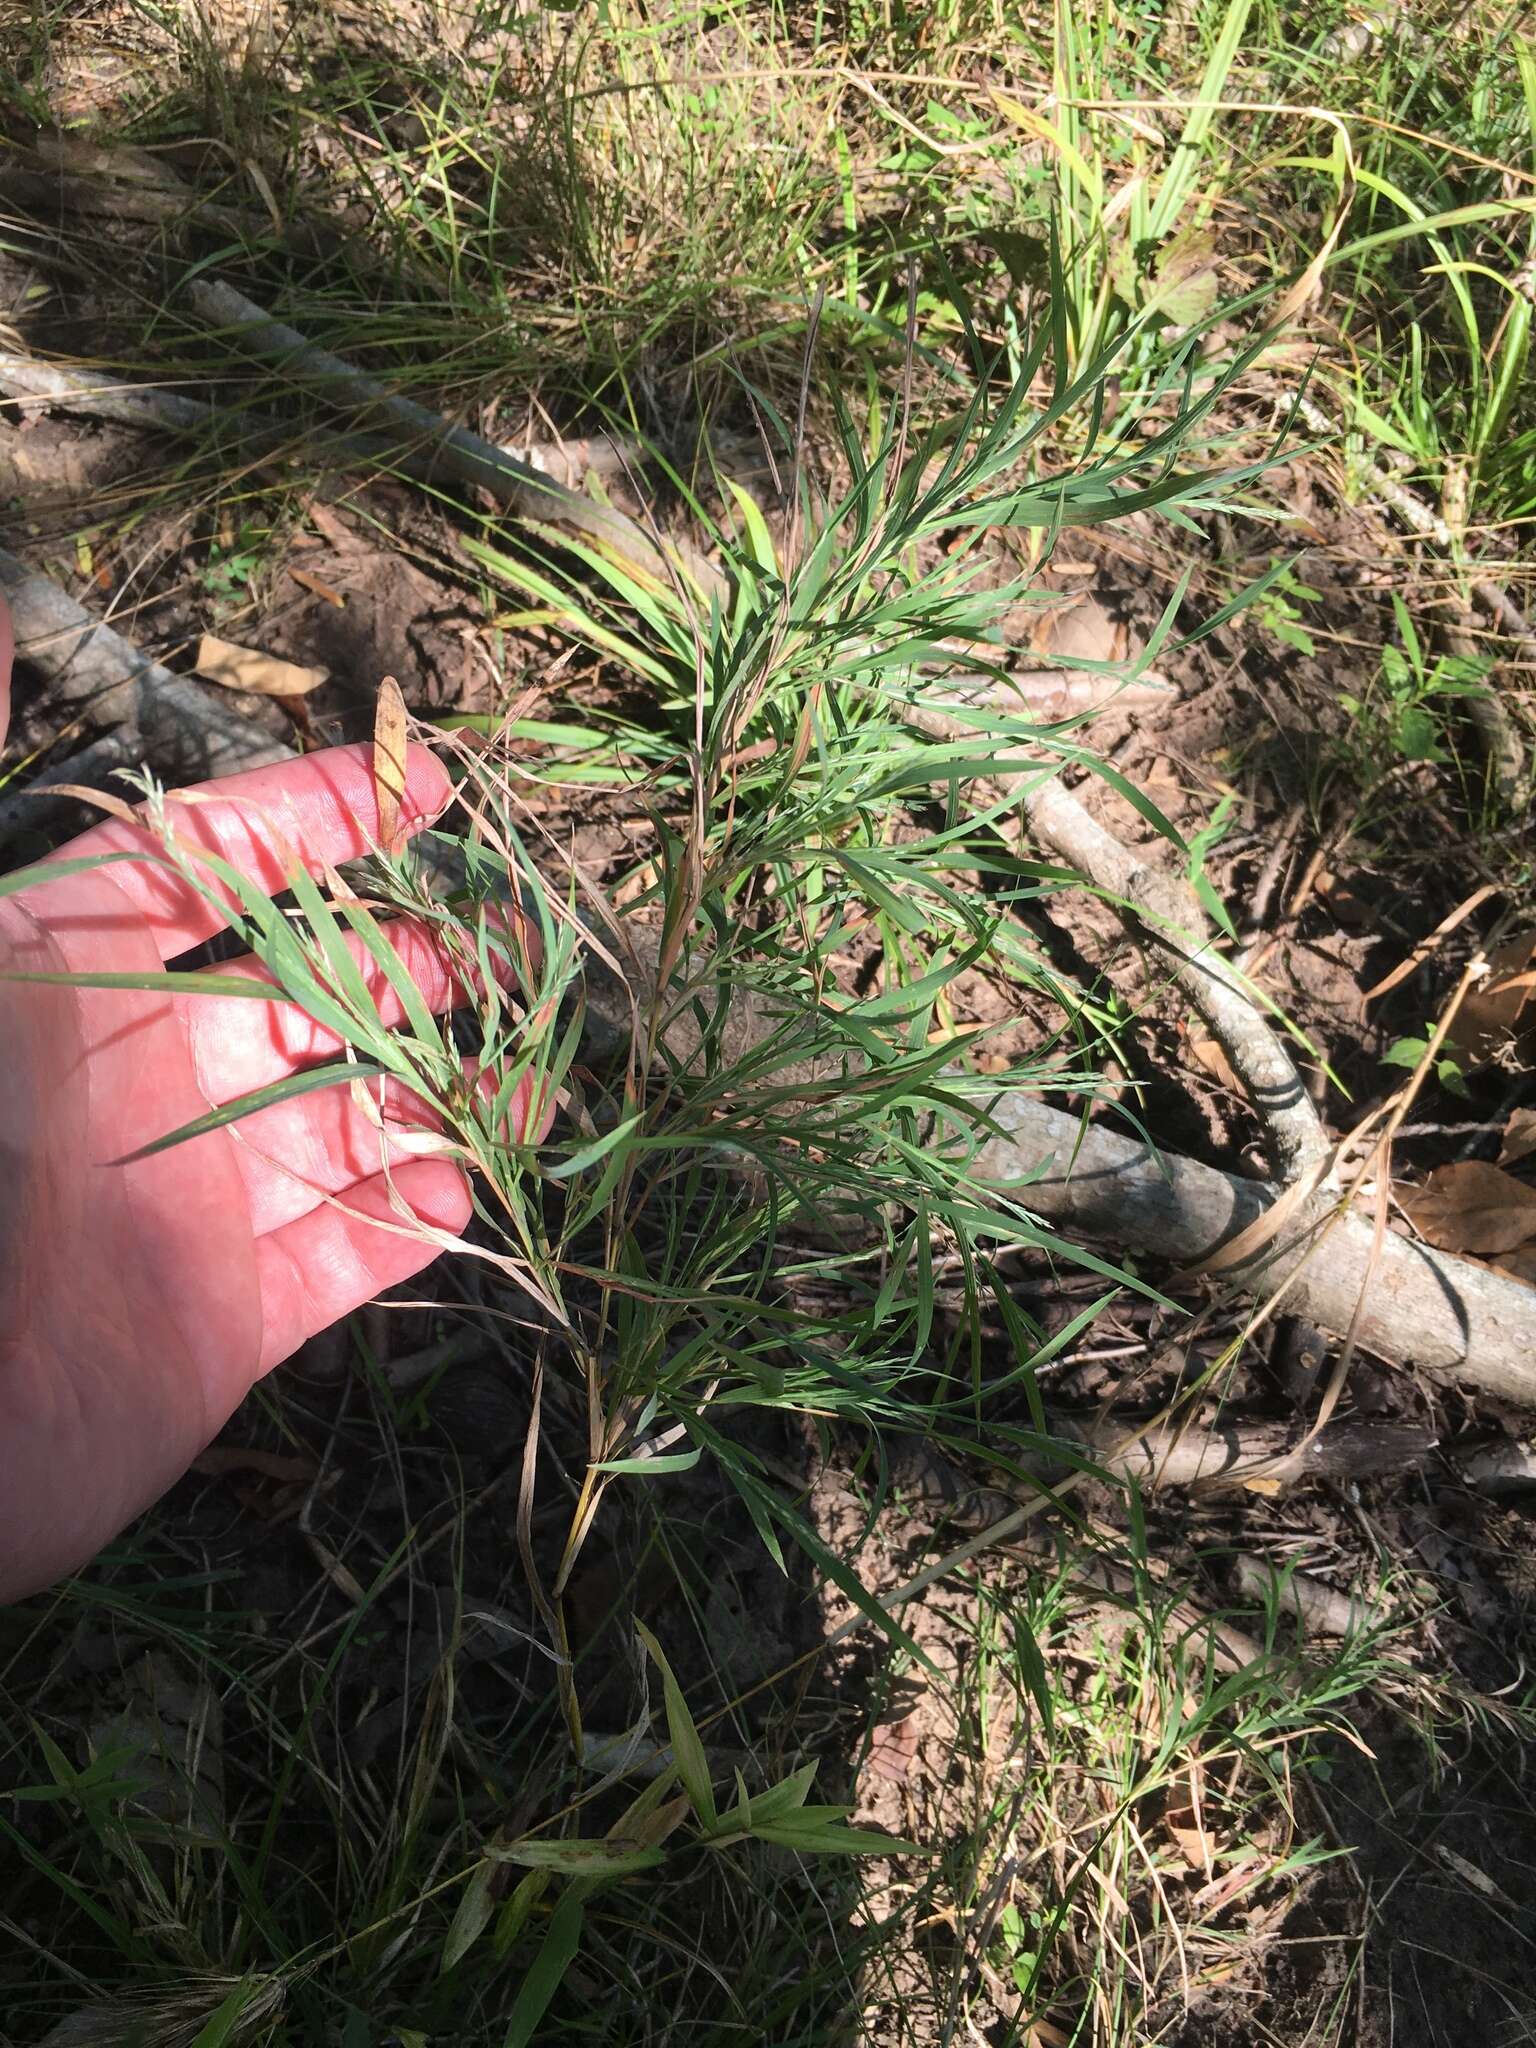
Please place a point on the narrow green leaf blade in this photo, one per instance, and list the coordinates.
(258, 1098)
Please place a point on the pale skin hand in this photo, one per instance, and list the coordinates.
(139, 1304)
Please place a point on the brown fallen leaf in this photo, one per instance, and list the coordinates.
(389, 724)
(893, 1749)
(1498, 1011)
(1193, 1843)
(1471, 1206)
(1519, 1137)
(1520, 1264)
(325, 521)
(245, 668)
(1080, 631)
(1208, 1054)
(306, 580)
(1344, 901)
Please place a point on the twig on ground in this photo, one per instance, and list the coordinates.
(30, 807)
(1234, 1454)
(1168, 914)
(1320, 1608)
(442, 448)
(1449, 1317)
(93, 394)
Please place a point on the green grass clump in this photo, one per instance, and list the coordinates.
(963, 280)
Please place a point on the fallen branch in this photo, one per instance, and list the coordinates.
(1320, 1608)
(35, 806)
(92, 394)
(1173, 921)
(440, 448)
(93, 674)
(1238, 1453)
(1452, 1319)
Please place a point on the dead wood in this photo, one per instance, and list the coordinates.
(1166, 912)
(439, 448)
(91, 394)
(1321, 1609)
(96, 676)
(1236, 1453)
(1447, 1317)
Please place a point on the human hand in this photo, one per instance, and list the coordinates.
(140, 1302)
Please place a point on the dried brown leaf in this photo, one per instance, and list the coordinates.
(1498, 1012)
(1519, 1137)
(306, 580)
(893, 1749)
(1471, 1206)
(389, 724)
(246, 668)
(1193, 1842)
(1208, 1054)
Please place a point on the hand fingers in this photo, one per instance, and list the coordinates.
(294, 1154)
(328, 1263)
(238, 1046)
(318, 809)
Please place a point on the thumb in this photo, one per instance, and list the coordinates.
(7, 646)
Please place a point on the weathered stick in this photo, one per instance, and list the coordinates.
(1448, 1317)
(1171, 918)
(1320, 1608)
(93, 394)
(1231, 1453)
(97, 396)
(445, 450)
(32, 808)
(96, 675)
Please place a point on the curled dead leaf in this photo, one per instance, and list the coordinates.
(306, 580)
(1192, 1841)
(1519, 1137)
(893, 1749)
(1208, 1054)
